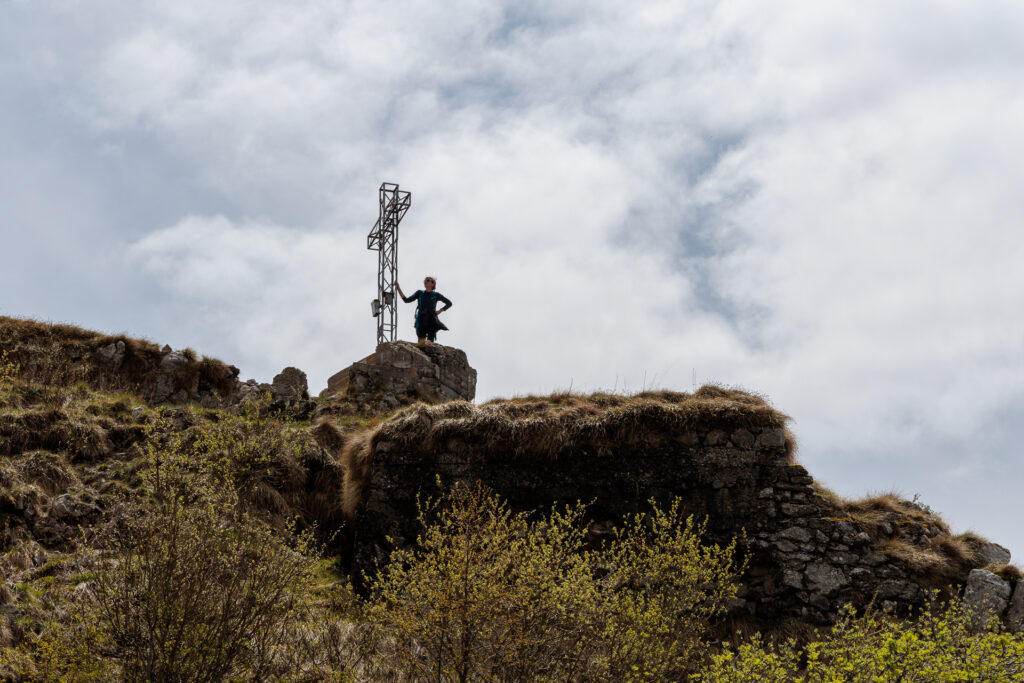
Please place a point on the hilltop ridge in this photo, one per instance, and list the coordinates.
(77, 409)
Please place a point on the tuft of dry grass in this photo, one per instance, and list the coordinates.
(915, 536)
(874, 511)
(355, 461)
(1005, 571)
(49, 471)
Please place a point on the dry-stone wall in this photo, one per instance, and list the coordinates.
(399, 373)
(807, 559)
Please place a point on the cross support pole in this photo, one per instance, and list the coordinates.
(384, 240)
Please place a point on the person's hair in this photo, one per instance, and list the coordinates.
(430, 278)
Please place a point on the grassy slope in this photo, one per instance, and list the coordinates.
(71, 428)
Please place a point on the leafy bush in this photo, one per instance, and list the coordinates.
(8, 369)
(941, 645)
(493, 595)
(196, 588)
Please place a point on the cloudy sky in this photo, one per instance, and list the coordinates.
(818, 201)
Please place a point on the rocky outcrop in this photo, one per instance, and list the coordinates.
(986, 595)
(726, 455)
(63, 354)
(398, 373)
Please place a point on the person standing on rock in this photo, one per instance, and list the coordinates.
(427, 322)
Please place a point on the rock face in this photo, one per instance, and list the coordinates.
(62, 354)
(986, 594)
(993, 553)
(1015, 613)
(725, 459)
(290, 384)
(400, 372)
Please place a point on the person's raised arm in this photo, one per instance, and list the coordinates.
(406, 299)
(446, 300)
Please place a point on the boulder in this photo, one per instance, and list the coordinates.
(112, 355)
(993, 553)
(174, 360)
(986, 594)
(400, 372)
(290, 384)
(824, 578)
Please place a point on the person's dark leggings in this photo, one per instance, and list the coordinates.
(432, 336)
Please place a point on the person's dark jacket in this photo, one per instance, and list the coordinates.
(426, 318)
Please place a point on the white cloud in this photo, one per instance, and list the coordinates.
(814, 200)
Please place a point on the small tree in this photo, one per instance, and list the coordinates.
(492, 595)
(487, 594)
(194, 587)
(663, 589)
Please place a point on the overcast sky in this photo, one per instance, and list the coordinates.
(817, 201)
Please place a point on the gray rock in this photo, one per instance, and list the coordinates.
(771, 438)
(64, 508)
(67, 509)
(743, 438)
(897, 589)
(163, 388)
(820, 601)
(784, 546)
(792, 578)
(174, 360)
(290, 384)
(112, 355)
(840, 557)
(845, 532)
(1015, 613)
(872, 559)
(993, 553)
(986, 594)
(404, 372)
(824, 578)
(795, 533)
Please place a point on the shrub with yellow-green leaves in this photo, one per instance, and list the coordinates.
(187, 584)
(8, 369)
(197, 587)
(493, 595)
(940, 646)
(663, 589)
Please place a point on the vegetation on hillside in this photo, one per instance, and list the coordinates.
(181, 542)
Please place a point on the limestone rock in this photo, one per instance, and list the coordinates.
(174, 360)
(986, 594)
(1015, 613)
(112, 355)
(993, 553)
(400, 372)
(824, 578)
(290, 384)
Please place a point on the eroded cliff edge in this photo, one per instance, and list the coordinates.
(727, 454)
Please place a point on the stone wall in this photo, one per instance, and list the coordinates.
(807, 557)
(398, 373)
